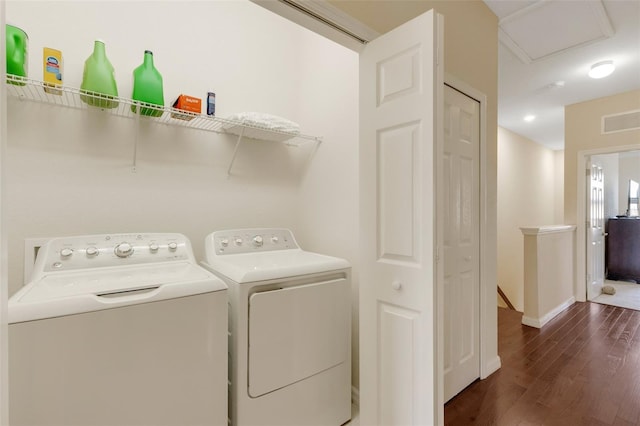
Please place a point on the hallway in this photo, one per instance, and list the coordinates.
(583, 368)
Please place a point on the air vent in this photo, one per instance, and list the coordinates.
(624, 121)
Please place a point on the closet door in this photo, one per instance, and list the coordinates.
(400, 95)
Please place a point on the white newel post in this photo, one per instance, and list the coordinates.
(549, 259)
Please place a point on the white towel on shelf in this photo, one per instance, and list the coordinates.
(259, 120)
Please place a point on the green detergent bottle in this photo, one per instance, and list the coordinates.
(98, 77)
(147, 87)
(17, 58)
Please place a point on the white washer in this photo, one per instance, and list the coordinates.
(119, 329)
(290, 329)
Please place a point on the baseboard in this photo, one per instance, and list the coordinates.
(490, 367)
(540, 322)
(355, 396)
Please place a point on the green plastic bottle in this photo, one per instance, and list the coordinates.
(98, 77)
(17, 58)
(147, 87)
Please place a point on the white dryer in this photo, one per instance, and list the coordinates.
(119, 329)
(290, 329)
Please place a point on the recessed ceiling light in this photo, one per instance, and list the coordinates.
(601, 69)
(529, 118)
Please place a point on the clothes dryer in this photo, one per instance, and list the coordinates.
(118, 329)
(289, 329)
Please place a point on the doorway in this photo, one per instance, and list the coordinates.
(618, 170)
(611, 207)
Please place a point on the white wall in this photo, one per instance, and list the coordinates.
(526, 177)
(68, 172)
(328, 194)
(629, 168)
(4, 386)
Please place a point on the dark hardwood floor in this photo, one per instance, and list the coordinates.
(582, 368)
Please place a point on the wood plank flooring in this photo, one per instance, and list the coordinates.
(582, 368)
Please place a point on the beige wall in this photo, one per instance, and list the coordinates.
(526, 173)
(582, 123)
(558, 188)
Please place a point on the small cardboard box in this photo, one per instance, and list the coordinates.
(188, 104)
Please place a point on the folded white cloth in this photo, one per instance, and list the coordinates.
(263, 121)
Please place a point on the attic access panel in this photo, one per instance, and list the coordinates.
(545, 28)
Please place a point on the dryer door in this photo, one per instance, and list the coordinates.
(296, 332)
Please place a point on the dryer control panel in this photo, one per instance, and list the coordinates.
(238, 241)
(104, 250)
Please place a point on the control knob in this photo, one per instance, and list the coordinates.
(123, 250)
(224, 242)
(92, 251)
(258, 241)
(153, 248)
(238, 241)
(173, 246)
(66, 253)
(275, 239)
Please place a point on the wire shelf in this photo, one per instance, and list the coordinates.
(38, 91)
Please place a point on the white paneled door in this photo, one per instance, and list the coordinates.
(461, 176)
(400, 93)
(595, 230)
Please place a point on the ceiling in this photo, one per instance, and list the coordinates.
(545, 42)
(546, 49)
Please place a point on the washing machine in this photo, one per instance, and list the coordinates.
(118, 329)
(289, 329)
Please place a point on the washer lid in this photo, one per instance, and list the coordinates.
(74, 292)
(269, 265)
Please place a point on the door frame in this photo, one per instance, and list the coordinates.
(580, 284)
(489, 360)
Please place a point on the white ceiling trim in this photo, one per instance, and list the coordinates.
(529, 14)
(336, 17)
(325, 19)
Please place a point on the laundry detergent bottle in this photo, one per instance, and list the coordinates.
(17, 57)
(98, 86)
(147, 87)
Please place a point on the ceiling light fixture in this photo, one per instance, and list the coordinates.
(601, 69)
(529, 118)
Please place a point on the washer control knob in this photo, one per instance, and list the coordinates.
(224, 242)
(92, 251)
(123, 250)
(275, 240)
(66, 253)
(258, 241)
(173, 246)
(153, 248)
(238, 241)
